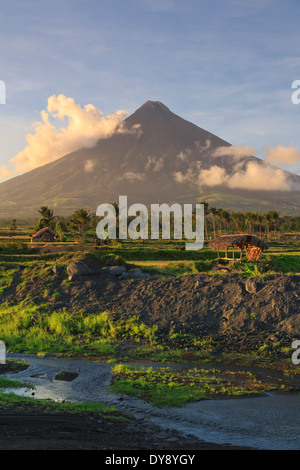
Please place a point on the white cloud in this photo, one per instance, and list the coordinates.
(282, 156)
(5, 172)
(235, 151)
(188, 177)
(134, 176)
(154, 163)
(204, 147)
(183, 156)
(260, 177)
(213, 176)
(256, 176)
(89, 165)
(73, 127)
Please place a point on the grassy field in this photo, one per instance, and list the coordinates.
(36, 328)
(161, 257)
(68, 333)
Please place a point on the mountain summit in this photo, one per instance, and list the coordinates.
(156, 156)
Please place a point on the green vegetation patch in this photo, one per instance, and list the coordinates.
(282, 263)
(7, 273)
(8, 383)
(27, 329)
(167, 387)
(11, 401)
(13, 366)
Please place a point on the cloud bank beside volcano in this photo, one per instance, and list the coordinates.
(65, 126)
(253, 175)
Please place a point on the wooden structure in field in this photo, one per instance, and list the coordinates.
(253, 246)
(46, 234)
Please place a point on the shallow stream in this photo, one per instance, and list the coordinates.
(271, 421)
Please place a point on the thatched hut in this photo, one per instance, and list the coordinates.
(46, 234)
(253, 246)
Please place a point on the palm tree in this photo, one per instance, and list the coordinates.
(214, 212)
(226, 219)
(275, 218)
(242, 221)
(47, 215)
(260, 219)
(250, 219)
(239, 220)
(72, 225)
(82, 217)
(60, 228)
(268, 219)
(221, 219)
(206, 212)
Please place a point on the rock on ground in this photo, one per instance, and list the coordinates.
(77, 268)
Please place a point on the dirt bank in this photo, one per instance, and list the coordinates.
(200, 304)
(236, 310)
(44, 431)
(33, 425)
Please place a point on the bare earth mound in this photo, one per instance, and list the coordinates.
(230, 307)
(224, 306)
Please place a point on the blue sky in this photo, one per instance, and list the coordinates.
(225, 65)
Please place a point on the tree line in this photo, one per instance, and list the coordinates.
(217, 222)
(220, 221)
(77, 223)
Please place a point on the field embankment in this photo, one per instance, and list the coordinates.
(227, 309)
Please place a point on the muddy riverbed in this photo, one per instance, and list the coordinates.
(270, 421)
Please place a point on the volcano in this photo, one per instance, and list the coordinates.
(157, 157)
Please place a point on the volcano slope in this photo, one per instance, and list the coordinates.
(239, 313)
(158, 157)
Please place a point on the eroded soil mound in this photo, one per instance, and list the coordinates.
(200, 304)
(230, 306)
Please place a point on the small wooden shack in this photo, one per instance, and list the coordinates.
(46, 234)
(253, 246)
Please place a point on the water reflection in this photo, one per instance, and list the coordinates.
(268, 422)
